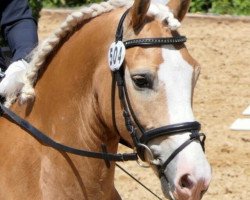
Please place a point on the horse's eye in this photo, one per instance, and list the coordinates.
(142, 81)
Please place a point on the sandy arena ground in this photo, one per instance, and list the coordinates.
(222, 47)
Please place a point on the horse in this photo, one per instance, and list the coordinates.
(67, 95)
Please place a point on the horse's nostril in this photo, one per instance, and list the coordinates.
(186, 181)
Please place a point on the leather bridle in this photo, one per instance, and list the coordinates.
(139, 135)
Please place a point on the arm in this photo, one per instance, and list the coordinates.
(19, 27)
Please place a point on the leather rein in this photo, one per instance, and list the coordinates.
(141, 139)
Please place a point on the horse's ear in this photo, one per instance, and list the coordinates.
(138, 12)
(179, 8)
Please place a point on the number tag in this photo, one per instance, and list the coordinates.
(116, 55)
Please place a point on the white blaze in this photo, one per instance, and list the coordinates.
(176, 75)
(161, 1)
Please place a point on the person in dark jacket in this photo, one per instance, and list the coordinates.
(19, 29)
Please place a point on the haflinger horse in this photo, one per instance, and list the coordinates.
(71, 73)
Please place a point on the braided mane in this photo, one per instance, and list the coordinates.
(52, 43)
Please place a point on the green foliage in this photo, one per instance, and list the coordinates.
(36, 6)
(232, 7)
(200, 5)
(67, 3)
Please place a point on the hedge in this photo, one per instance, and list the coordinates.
(67, 3)
(37, 5)
(232, 7)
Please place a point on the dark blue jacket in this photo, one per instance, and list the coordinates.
(18, 27)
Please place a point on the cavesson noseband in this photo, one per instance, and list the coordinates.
(139, 135)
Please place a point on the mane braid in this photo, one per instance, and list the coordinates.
(51, 44)
(67, 28)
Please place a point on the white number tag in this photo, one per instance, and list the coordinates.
(116, 55)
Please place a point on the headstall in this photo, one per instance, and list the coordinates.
(140, 136)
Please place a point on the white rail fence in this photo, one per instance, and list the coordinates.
(242, 124)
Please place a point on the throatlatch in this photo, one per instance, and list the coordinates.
(140, 136)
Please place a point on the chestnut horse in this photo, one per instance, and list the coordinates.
(72, 81)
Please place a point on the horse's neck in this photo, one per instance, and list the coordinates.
(67, 106)
(67, 91)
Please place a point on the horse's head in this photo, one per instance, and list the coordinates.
(160, 81)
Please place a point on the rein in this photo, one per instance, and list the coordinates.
(130, 118)
(45, 140)
(139, 136)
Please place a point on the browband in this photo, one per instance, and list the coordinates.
(145, 42)
(149, 42)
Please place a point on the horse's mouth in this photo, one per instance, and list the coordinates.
(170, 191)
(167, 188)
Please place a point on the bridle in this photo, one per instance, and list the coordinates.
(139, 135)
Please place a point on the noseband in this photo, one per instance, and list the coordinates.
(140, 136)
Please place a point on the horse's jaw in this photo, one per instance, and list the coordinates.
(174, 191)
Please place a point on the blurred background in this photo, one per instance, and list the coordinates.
(231, 7)
(218, 37)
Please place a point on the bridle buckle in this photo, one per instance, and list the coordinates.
(142, 149)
